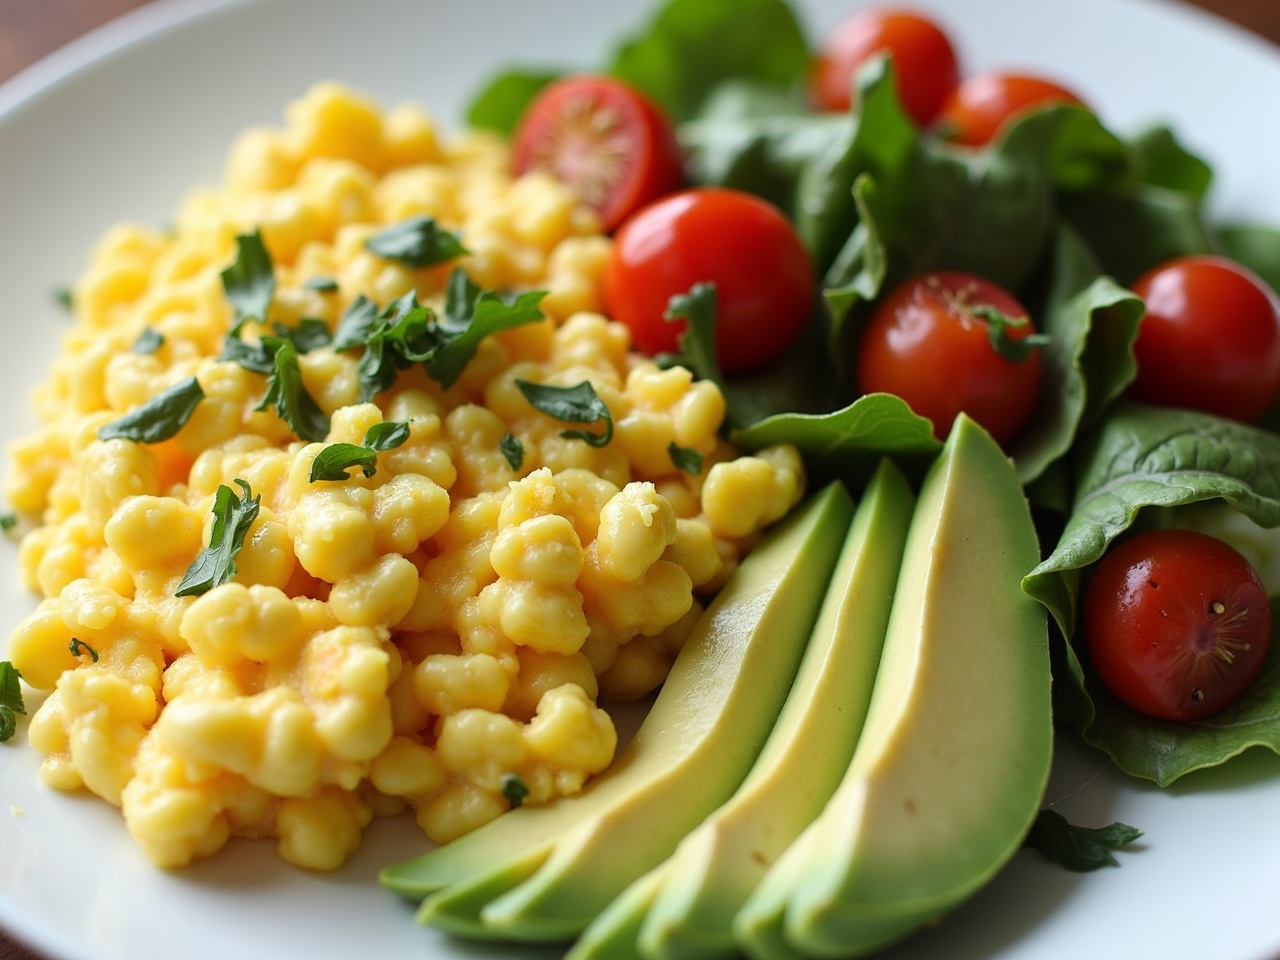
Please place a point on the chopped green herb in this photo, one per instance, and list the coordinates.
(470, 315)
(355, 324)
(687, 460)
(250, 281)
(10, 700)
(216, 563)
(1082, 849)
(287, 394)
(160, 417)
(333, 462)
(699, 308)
(78, 647)
(64, 298)
(311, 333)
(320, 284)
(1013, 349)
(576, 404)
(416, 242)
(512, 449)
(149, 341)
(8, 521)
(514, 789)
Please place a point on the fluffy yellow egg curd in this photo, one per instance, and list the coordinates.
(435, 627)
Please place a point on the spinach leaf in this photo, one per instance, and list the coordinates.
(416, 242)
(1091, 324)
(576, 404)
(504, 98)
(159, 418)
(216, 563)
(691, 46)
(10, 700)
(249, 282)
(1082, 849)
(333, 462)
(287, 394)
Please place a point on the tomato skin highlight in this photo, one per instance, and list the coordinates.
(924, 343)
(1177, 623)
(925, 64)
(979, 108)
(609, 143)
(764, 279)
(1210, 339)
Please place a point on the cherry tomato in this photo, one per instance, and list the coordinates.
(929, 342)
(1177, 623)
(1210, 339)
(924, 62)
(744, 245)
(609, 143)
(981, 105)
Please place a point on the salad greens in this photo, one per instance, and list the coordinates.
(1060, 210)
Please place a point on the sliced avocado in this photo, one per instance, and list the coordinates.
(704, 730)
(716, 867)
(614, 933)
(955, 752)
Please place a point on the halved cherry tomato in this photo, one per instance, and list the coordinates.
(609, 143)
(745, 246)
(1177, 623)
(1210, 339)
(924, 62)
(978, 109)
(930, 342)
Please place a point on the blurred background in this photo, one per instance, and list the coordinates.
(31, 28)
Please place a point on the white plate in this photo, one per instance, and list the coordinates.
(122, 123)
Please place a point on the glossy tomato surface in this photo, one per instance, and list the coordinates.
(609, 143)
(1177, 623)
(930, 342)
(925, 64)
(1210, 339)
(764, 280)
(976, 112)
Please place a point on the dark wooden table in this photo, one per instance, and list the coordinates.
(29, 29)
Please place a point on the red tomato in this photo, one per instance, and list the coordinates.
(610, 144)
(929, 342)
(1177, 623)
(1210, 339)
(979, 107)
(924, 62)
(744, 245)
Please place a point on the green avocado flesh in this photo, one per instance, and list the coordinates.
(954, 755)
(542, 873)
(716, 867)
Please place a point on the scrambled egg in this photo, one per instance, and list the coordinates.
(432, 635)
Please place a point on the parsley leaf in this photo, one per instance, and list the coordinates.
(78, 647)
(333, 461)
(687, 460)
(699, 308)
(355, 324)
(512, 449)
(416, 242)
(576, 404)
(287, 394)
(311, 333)
(250, 281)
(64, 298)
(470, 315)
(160, 417)
(1082, 849)
(514, 789)
(216, 563)
(149, 341)
(8, 521)
(320, 284)
(10, 700)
